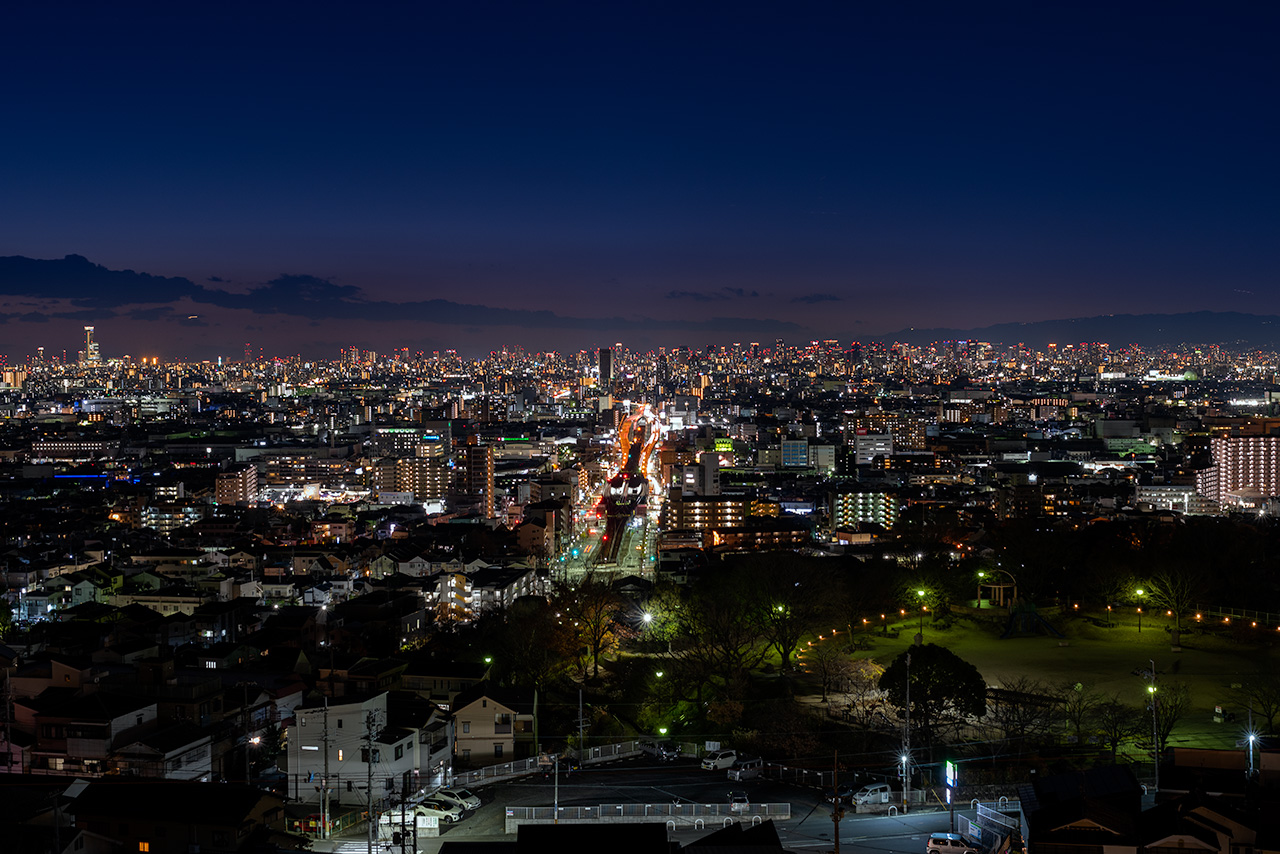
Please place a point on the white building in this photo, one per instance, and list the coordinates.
(408, 755)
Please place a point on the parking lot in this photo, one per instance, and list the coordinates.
(642, 780)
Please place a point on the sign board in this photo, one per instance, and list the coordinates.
(724, 446)
(711, 745)
(950, 772)
(974, 831)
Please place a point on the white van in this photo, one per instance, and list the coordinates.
(746, 768)
(718, 760)
(873, 793)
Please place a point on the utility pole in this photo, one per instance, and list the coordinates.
(580, 741)
(906, 742)
(555, 814)
(324, 781)
(1155, 744)
(244, 713)
(370, 721)
(837, 811)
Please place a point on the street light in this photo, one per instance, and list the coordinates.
(923, 608)
(1139, 591)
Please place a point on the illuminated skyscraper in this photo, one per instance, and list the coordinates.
(91, 354)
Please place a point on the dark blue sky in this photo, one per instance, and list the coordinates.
(656, 174)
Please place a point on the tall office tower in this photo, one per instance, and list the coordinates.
(90, 346)
(478, 461)
(606, 368)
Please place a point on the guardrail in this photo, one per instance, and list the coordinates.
(523, 767)
(694, 816)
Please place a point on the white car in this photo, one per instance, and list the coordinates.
(460, 797)
(439, 809)
(718, 760)
(950, 843)
(739, 802)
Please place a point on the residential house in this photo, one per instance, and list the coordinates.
(492, 725)
(77, 735)
(496, 588)
(180, 752)
(176, 817)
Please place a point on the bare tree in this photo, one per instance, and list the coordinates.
(1170, 701)
(1020, 710)
(592, 608)
(1176, 590)
(1261, 695)
(1078, 705)
(828, 661)
(1117, 722)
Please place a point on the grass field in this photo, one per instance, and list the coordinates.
(1104, 659)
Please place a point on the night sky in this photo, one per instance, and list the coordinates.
(310, 176)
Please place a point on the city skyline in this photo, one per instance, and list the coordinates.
(561, 180)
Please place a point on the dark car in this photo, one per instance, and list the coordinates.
(841, 792)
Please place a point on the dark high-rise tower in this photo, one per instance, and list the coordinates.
(606, 368)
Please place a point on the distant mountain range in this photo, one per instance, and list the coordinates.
(1228, 328)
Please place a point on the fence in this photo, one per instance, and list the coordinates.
(522, 767)
(1222, 613)
(695, 816)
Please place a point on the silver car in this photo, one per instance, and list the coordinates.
(461, 797)
(439, 809)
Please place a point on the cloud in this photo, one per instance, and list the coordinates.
(215, 279)
(816, 298)
(725, 293)
(91, 286)
(85, 284)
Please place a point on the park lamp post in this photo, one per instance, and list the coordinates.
(1139, 591)
(923, 608)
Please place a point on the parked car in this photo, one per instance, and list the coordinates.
(841, 792)
(663, 751)
(950, 843)
(718, 760)
(739, 802)
(439, 809)
(746, 768)
(461, 797)
(873, 793)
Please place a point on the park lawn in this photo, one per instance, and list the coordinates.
(1105, 660)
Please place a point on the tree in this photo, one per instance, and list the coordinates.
(534, 644)
(1176, 589)
(714, 639)
(1117, 721)
(1170, 701)
(1020, 710)
(1261, 695)
(942, 686)
(1078, 706)
(828, 662)
(789, 599)
(592, 608)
